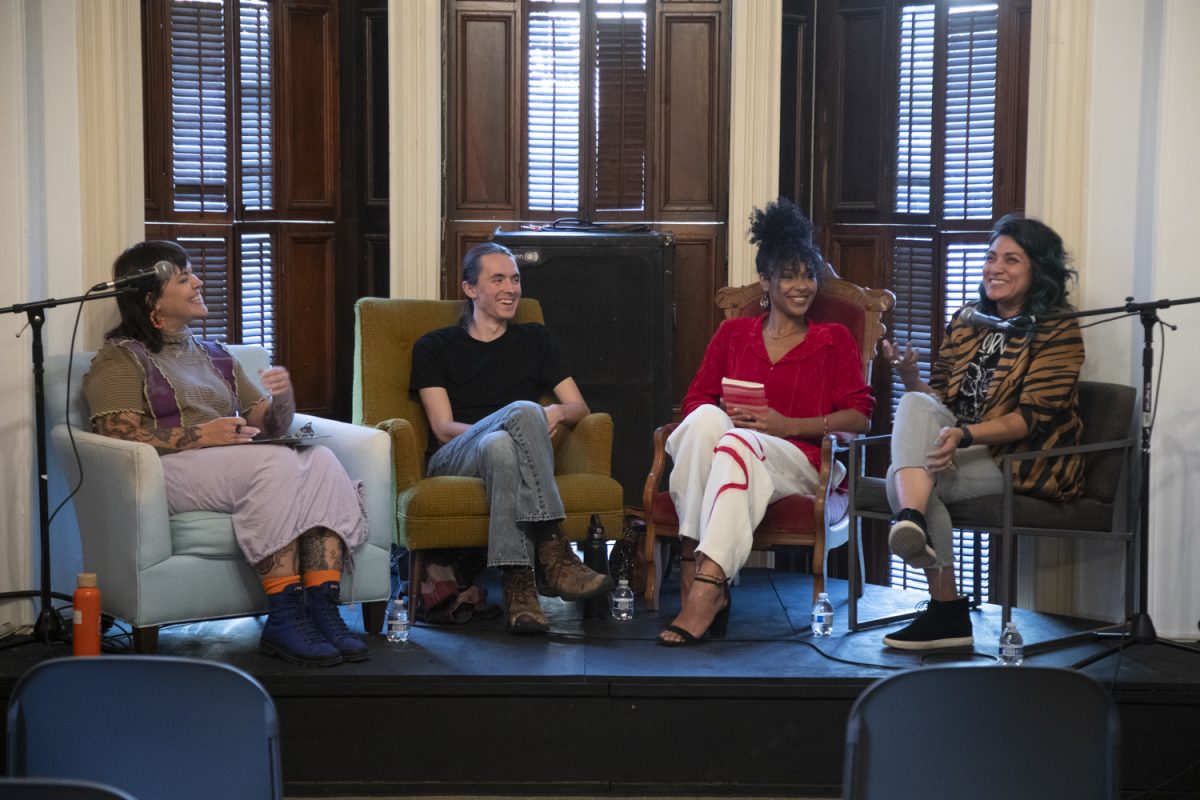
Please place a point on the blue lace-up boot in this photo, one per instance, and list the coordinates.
(322, 601)
(291, 635)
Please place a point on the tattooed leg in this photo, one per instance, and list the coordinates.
(281, 563)
(321, 549)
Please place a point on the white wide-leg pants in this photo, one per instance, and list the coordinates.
(724, 478)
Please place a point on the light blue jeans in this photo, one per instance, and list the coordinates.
(919, 419)
(510, 450)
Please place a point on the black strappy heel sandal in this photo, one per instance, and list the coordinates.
(716, 628)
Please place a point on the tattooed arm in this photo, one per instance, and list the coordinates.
(134, 427)
(275, 415)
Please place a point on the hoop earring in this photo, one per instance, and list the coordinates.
(156, 319)
(764, 302)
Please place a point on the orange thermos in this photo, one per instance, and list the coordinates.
(85, 634)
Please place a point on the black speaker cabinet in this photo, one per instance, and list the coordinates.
(607, 297)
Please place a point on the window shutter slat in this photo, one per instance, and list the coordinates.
(199, 164)
(970, 141)
(255, 104)
(210, 262)
(258, 291)
(621, 113)
(553, 110)
(914, 130)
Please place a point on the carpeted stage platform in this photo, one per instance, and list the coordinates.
(597, 708)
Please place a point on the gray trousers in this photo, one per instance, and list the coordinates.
(919, 419)
(510, 450)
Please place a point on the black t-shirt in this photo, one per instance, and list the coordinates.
(972, 392)
(482, 377)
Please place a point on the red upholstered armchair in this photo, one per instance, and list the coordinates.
(818, 521)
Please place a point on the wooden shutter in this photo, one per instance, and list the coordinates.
(210, 257)
(255, 105)
(970, 112)
(621, 113)
(554, 92)
(257, 262)
(199, 107)
(914, 127)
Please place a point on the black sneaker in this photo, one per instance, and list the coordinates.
(941, 625)
(909, 539)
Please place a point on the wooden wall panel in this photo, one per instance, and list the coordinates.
(691, 156)
(375, 30)
(307, 136)
(156, 78)
(858, 257)
(306, 313)
(861, 105)
(465, 236)
(795, 104)
(484, 77)
(377, 253)
(699, 272)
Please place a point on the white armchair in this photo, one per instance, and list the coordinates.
(156, 569)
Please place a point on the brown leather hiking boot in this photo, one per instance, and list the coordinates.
(521, 600)
(564, 575)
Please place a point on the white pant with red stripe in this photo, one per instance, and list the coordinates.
(725, 477)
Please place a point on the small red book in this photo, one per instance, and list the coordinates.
(743, 394)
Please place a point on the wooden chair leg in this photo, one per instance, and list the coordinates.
(373, 614)
(650, 551)
(416, 571)
(145, 640)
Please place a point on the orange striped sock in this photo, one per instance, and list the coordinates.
(318, 576)
(277, 585)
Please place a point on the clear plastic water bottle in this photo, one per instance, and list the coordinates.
(622, 601)
(1012, 646)
(822, 616)
(398, 624)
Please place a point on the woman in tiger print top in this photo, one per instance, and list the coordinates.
(992, 391)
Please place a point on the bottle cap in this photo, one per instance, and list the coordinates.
(86, 580)
(823, 596)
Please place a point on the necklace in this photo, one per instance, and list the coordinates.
(778, 337)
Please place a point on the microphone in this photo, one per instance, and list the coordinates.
(162, 270)
(977, 319)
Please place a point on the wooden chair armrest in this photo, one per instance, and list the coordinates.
(657, 465)
(406, 455)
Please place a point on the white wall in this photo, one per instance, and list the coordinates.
(40, 225)
(16, 388)
(1144, 174)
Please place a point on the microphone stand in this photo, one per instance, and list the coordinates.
(1140, 627)
(49, 626)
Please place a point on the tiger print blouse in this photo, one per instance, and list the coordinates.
(1036, 376)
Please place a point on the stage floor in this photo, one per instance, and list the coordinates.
(596, 708)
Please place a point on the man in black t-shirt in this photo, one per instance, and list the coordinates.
(479, 382)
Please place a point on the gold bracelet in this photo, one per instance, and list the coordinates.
(825, 422)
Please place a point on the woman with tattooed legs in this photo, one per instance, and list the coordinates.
(296, 514)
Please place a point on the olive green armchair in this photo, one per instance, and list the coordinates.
(452, 512)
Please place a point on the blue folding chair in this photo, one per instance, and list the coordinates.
(58, 789)
(154, 726)
(987, 733)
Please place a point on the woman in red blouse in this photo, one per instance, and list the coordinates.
(730, 463)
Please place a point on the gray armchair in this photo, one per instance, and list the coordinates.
(1105, 509)
(155, 569)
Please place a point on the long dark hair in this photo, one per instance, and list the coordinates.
(472, 263)
(1048, 261)
(785, 240)
(135, 306)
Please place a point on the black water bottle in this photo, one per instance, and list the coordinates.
(595, 555)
